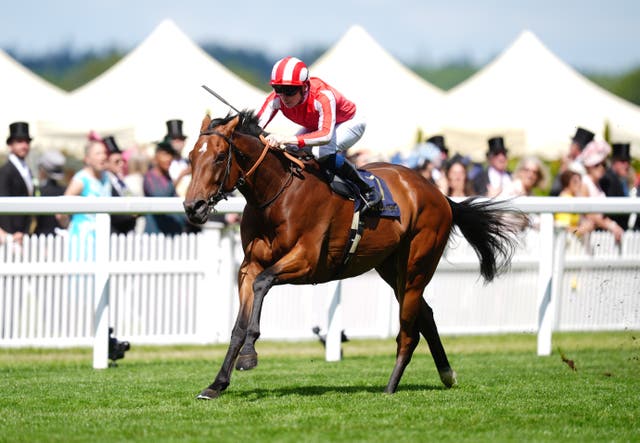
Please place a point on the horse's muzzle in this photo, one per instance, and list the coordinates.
(197, 210)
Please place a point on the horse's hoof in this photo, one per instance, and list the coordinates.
(246, 362)
(208, 394)
(449, 377)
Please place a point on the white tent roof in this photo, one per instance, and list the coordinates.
(159, 80)
(395, 101)
(536, 101)
(25, 97)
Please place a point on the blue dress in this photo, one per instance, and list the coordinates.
(82, 229)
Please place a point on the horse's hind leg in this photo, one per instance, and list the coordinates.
(427, 326)
(407, 338)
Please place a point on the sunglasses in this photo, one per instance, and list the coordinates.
(287, 90)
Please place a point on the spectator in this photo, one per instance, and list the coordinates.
(424, 158)
(529, 174)
(50, 175)
(457, 183)
(179, 169)
(158, 183)
(137, 165)
(90, 181)
(581, 138)
(16, 180)
(571, 182)
(496, 177)
(436, 173)
(120, 223)
(615, 182)
(594, 158)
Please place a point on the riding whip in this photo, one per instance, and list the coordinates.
(212, 92)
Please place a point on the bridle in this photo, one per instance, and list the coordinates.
(233, 149)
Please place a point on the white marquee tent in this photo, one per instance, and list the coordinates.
(159, 80)
(535, 100)
(396, 102)
(25, 97)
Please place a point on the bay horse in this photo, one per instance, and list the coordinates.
(294, 230)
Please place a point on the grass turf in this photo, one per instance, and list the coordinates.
(505, 393)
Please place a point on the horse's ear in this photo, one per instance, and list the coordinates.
(231, 125)
(205, 122)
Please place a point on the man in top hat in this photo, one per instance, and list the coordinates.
(615, 182)
(16, 180)
(492, 180)
(120, 223)
(581, 138)
(50, 176)
(179, 166)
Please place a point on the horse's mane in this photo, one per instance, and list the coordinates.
(248, 122)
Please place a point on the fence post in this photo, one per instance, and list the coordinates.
(545, 284)
(207, 318)
(560, 236)
(333, 341)
(101, 293)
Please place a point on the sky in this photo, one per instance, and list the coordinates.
(590, 35)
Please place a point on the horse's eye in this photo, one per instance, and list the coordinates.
(222, 156)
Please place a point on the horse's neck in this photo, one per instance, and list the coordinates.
(268, 178)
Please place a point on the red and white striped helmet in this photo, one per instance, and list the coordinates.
(289, 71)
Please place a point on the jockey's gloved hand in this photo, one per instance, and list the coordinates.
(280, 141)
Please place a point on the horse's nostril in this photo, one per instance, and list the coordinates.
(194, 205)
(198, 206)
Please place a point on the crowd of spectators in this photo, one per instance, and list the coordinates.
(107, 170)
(590, 168)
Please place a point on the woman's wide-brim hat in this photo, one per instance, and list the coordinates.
(52, 162)
(595, 153)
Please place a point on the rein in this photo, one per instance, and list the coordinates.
(221, 194)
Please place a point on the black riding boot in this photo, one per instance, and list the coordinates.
(370, 195)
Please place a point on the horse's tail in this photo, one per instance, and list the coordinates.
(491, 227)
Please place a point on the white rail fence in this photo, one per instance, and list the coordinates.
(159, 290)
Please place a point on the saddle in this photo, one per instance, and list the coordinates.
(350, 191)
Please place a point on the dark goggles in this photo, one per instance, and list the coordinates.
(288, 90)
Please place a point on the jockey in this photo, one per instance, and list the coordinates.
(330, 124)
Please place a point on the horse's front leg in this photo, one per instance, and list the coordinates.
(290, 267)
(247, 276)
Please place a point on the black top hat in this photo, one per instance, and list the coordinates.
(174, 129)
(18, 131)
(621, 151)
(496, 146)
(438, 140)
(112, 146)
(582, 137)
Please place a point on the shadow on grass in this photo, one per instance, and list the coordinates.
(312, 391)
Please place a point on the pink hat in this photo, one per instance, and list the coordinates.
(595, 153)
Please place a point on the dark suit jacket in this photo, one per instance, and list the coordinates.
(12, 185)
(481, 182)
(47, 223)
(612, 186)
(121, 223)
